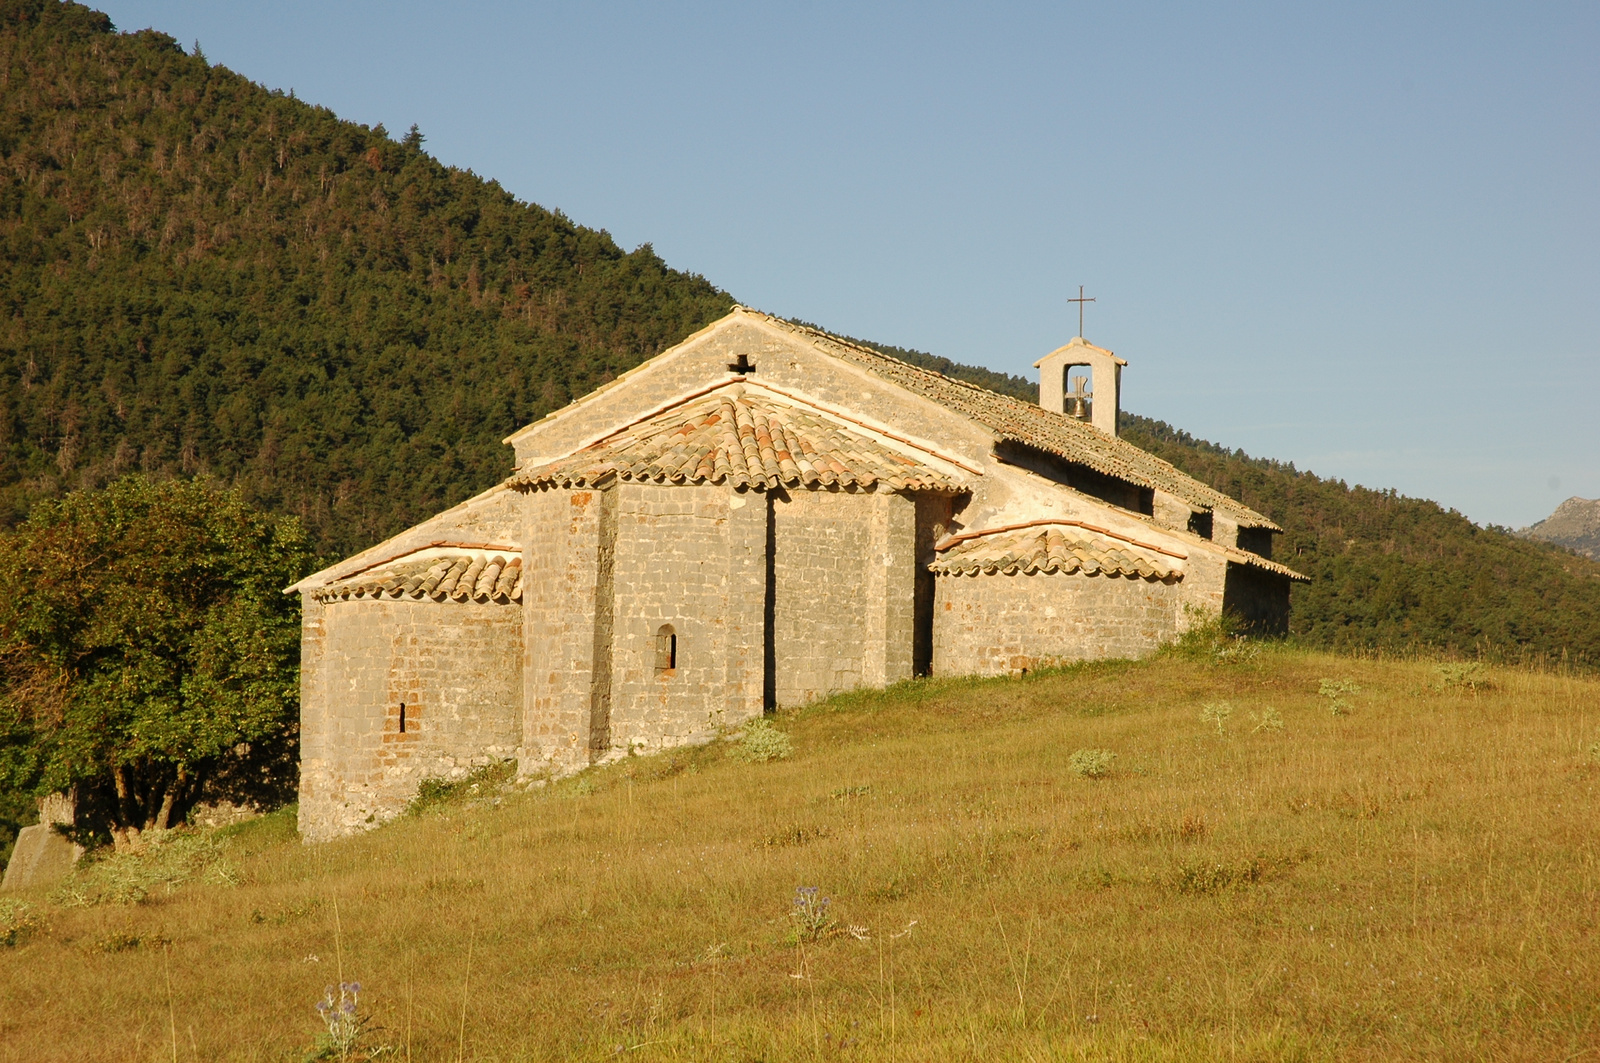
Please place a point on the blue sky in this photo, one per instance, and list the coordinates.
(1363, 238)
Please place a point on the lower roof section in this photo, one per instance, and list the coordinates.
(440, 574)
(1054, 546)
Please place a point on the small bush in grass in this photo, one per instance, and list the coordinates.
(1594, 752)
(17, 922)
(1092, 763)
(163, 861)
(481, 782)
(1214, 640)
(1338, 692)
(127, 941)
(1205, 879)
(763, 742)
(1268, 719)
(1217, 714)
(1464, 675)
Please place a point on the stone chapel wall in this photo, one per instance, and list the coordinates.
(999, 624)
(844, 589)
(565, 578)
(689, 576)
(455, 666)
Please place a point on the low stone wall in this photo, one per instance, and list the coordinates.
(42, 856)
(999, 624)
(453, 669)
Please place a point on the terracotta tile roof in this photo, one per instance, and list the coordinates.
(1053, 546)
(1022, 422)
(743, 436)
(476, 576)
(1245, 557)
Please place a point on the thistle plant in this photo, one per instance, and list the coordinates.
(344, 1025)
(1268, 719)
(763, 742)
(1091, 763)
(1217, 714)
(809, 914)
(1337, 691)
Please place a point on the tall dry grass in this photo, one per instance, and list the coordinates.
(1414, 878)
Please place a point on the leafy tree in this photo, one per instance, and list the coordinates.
(146, 647)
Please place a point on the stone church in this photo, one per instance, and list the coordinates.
(758, 517)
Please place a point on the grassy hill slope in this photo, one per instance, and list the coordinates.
(1413, 877)
(199, 275)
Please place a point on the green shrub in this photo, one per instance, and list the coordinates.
(162, 862)
(17, 922)
(1464, 675)
(763, 742)
(480, 782)
(1092, 763)
(1195, 879)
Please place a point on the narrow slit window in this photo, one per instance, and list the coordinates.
(666, 650)
(402, 717)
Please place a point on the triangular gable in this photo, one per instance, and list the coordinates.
(745, 435)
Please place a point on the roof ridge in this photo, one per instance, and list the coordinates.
(1121, 451)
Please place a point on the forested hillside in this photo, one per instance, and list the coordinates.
(201, 275)
(1393, 572)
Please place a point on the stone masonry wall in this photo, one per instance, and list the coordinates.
(565, 576)
(999, 624)
(844, 582)
(689, 559)
(456, 667)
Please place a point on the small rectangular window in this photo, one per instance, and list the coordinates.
(666, 650)
(402, 717)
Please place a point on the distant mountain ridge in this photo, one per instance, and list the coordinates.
(1575, 524)
(201, 276)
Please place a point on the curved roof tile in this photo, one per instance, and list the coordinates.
(1053, 547)
(742, 437)
(466, 577)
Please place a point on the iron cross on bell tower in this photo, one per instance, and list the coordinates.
(1080, 300)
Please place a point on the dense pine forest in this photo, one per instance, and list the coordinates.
(202, 276)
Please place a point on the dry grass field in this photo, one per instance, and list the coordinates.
(1406, 870)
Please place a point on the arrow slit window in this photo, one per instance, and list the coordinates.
(666, 650)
